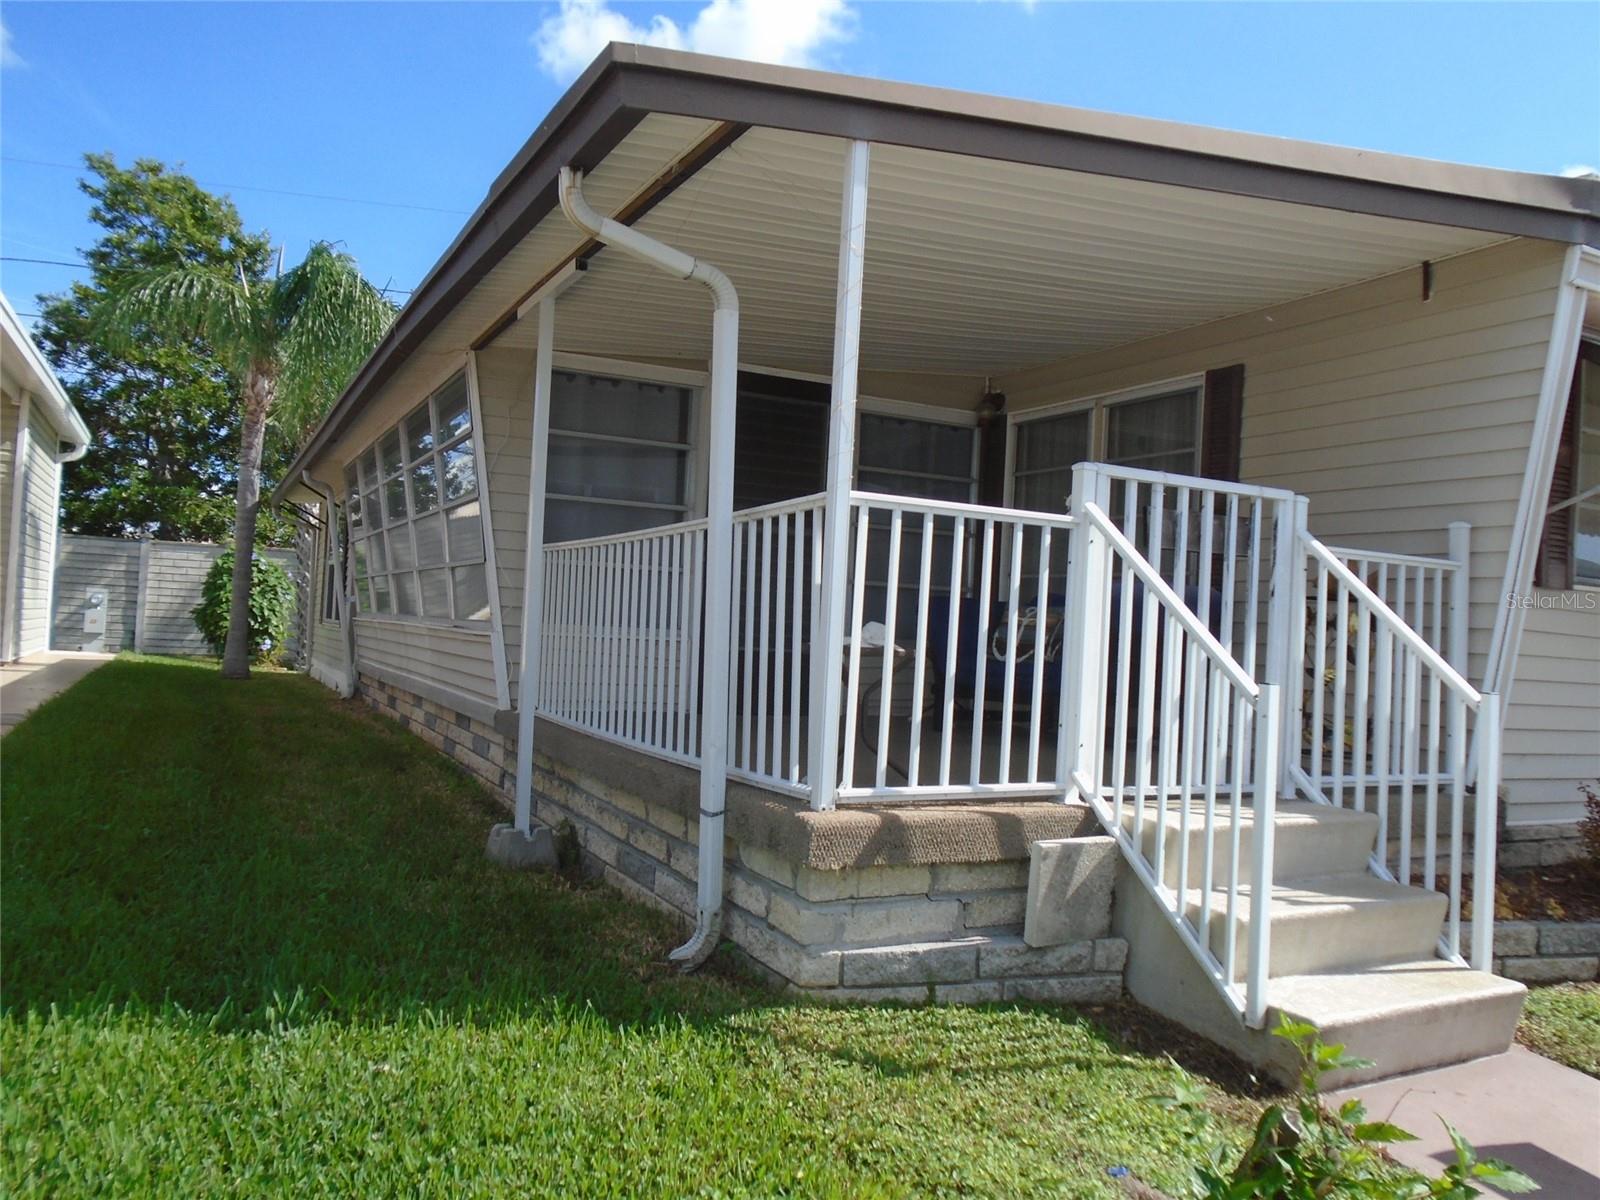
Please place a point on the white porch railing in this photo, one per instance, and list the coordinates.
(621, 628)
(1165, 676)
(1167, 730)
(1388, 732)
(953, 669)
(777, 585)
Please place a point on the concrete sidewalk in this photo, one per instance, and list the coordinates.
(1537, 1115)
(27, 684)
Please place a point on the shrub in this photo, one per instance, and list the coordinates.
(271, 605)
(1589, 827)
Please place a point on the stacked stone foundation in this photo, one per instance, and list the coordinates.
(914, 905)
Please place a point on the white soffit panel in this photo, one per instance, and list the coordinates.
(972, 266)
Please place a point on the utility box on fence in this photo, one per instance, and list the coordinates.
(94, 622)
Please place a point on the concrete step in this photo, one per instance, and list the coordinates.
(1405, 1016)
(1310, 840)
(1329, 922)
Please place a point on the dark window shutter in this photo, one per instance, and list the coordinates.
(1222, 416)
(1554, 566)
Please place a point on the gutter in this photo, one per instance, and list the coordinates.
(719, 544)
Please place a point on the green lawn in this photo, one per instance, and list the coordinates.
(1563, 1023)
(251, 945)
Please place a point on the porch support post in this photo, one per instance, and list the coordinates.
(828, 638)
(533, 567)
(1079, 740)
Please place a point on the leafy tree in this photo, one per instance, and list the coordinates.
(165, 413)
(291, 343)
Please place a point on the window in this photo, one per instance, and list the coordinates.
(619, 456)
(1569, 554)
(1154, 433)
(1586, 510)
(415, 516)
(907, 456)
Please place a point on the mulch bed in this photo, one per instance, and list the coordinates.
(1566, 892)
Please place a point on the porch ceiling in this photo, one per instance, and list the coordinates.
(972, 266)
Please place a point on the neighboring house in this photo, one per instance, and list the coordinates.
(39, 430)
(819, 381)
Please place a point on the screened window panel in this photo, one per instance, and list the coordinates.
(911, 446)
(402, 554)
(425, 486)
(381, 596)
(380, 556)
(405, 595)
(596, 404)
(464, 530)
(419, 434)
(451, 405)
(470, 591)
(435, 592)
(389, 452)
(616, 471)
(394, 500)
(429, 534)
(460, 472)
(619, 456)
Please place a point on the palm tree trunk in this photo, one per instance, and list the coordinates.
(258, 395)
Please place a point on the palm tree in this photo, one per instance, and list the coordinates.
(291, 343)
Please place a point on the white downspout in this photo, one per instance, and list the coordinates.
(719, 543)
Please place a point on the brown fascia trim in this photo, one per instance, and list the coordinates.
(626, 83)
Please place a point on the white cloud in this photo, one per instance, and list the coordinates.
(8, 53)
(1581, 171)
(777, 31)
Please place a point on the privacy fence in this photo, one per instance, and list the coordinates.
(145, 589)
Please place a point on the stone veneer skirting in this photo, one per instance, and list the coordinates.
(907, 903)
(1545, 951)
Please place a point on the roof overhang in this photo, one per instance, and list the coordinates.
(24, 360)
(627, 84)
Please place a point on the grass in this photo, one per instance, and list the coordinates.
(251, 945)
(1563, 1023)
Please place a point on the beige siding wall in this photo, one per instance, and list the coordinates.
(1397, 416)
(41, 483)
(505, 383)
(327, 656)
(450, 658)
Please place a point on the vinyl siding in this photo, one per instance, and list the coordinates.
(41, 483)
(1397, 416)
(505, 383)
(455, 659)
(88, 564)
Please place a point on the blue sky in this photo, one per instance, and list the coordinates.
(406, 109)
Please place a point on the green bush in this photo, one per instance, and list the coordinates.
(271, 605)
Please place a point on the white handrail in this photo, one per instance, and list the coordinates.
(1395, 558)
(1409, 636)
(955, 508)
(1192, 624)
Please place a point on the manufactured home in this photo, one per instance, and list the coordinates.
(963, 549)
(39, 431)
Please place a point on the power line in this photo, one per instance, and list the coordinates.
(245, 187)
(83, 266)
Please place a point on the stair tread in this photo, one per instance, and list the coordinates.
(1333, 998)
(1318, 895)
(1288, 812)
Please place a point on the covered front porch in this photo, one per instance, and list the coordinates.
(890, 600)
